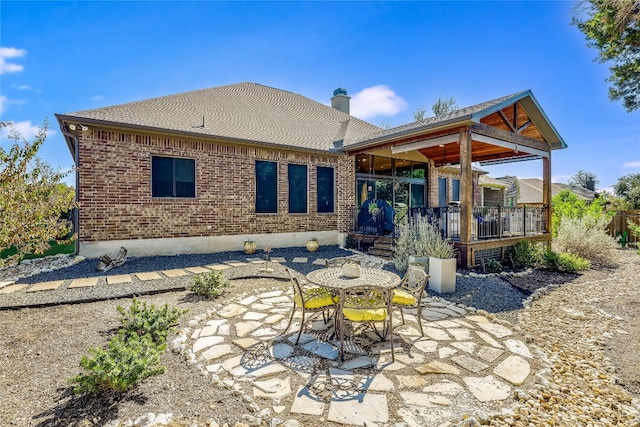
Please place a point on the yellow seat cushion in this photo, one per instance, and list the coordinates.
(316, 298)
(363, 315)
(403, 298)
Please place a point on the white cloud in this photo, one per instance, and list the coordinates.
(97, 98)
(631, 165)
(26, 130)
(10, 52)
(6, 102)
(376, 101)
(26, 87)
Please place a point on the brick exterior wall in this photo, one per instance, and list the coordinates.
(115, 189)
(450, 174)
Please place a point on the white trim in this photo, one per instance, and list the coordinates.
(205, 244)
(433, 142)
(505, 144)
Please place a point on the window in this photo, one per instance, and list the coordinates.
(442, 192)
(325, 190)
(297, 188)
(455, 190)
(417, 195)
(266, 187)
(173, 177)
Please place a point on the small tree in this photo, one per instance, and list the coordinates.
(32, 199)
(613, 28)
(628, 187)
(582, 178)
(444, 106)
(567, 205)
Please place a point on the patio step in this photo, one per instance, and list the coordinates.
(383, 247)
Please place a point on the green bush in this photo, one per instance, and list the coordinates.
(526, 254)
(492, 266)
(572, 263)
(567, 205)
(143, 320)
(129, 358)
(209, 285)
(587, 237)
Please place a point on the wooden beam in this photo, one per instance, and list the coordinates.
(494, 132)
(506, 121)
(466, 186)
(546, 192)
(524, 126)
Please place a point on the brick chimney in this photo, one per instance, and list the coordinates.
(340, 100)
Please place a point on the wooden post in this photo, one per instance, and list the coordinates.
(466, 186)
(546, 192)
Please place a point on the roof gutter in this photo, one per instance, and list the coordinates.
(74, 144)
(164, 131)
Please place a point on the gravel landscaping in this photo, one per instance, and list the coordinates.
(586, 325)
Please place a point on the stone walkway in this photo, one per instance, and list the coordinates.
(468, 362)
(465, 363)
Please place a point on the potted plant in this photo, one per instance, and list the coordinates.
(442, 261)
(249, 247)
(312, 245)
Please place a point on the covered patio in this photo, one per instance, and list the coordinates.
(513, 128)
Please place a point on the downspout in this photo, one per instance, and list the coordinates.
(76, 161)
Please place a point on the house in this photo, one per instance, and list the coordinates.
(528, 192)
(203, 171)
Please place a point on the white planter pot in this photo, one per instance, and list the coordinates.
(442, 275)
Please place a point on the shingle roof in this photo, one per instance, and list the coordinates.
(472, 113)
(244, 112)
(530, 190)
(487, 181)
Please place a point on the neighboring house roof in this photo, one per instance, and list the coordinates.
(473, 114)
(529, 190)
(487, 181)
(242, 112)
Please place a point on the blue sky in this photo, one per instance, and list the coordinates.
(392, 57)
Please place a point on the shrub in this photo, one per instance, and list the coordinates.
(526, 254)
(567, 205)
(587, 237)
(492, 266)
(209, 285)
(129, 358)
(143, 320)
(405, 247)
(572, 263)
(422, 239)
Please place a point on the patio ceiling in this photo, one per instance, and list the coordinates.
(507, 135)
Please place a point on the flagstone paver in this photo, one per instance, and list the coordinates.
(176, 272)
(197, 270)
(150, 275)
(46, 286)
(117, 279)
(368, 407)
(12, 288)
(434, 375)
(83, 282)
(218, 267)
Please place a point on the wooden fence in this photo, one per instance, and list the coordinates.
(618, 224)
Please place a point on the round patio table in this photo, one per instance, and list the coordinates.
(332, 278)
